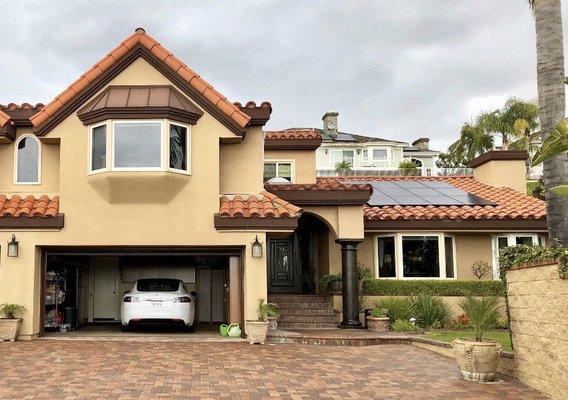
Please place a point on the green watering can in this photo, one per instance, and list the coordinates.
(224, 329)
(234, 330)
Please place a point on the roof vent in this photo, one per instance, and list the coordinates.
(330, 123)
(278, 181)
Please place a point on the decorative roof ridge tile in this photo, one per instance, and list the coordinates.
(262, 205)
(23, 106)
(300, 134)
(140, 37)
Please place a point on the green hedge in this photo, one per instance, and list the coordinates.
(510, 257)
(446, 287)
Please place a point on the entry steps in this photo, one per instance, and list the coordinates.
(298, 311)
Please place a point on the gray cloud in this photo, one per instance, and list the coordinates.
(393, 69)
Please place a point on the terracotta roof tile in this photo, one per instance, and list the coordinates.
(30, 206)
(140, 37)
(324, 184)
(292, 134)
(261, 206)
(510, 204)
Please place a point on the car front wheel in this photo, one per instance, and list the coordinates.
(125, 328)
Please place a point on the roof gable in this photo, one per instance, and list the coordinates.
(139, 45)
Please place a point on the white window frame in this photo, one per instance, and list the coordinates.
(16, 155)
(90, 169)
(188, 148)
(372, 150)
(511, 241)
(282, 161)
(399, 268)
(162, 147)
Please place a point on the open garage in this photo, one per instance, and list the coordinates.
(84, 289)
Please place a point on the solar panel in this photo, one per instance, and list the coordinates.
(420, 193)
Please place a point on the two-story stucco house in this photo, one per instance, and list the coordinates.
(140, 168)
(366, 155)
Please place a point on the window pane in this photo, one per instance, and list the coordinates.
(386, 257)
(526, 240)
(541, 241)
(98, 150)
(449, 248)
(137, 145)
(420, 256)
(28, 160)
(269, 171)
(379, 153)
(178, 147)
(285, 171)
(502, 242)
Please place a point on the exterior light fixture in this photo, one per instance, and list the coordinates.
(13, 247)
(256, 248)
(413, 321)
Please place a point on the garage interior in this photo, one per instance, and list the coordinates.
(84, 290)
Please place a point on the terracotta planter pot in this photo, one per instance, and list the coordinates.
(10, 328)
(256, 331)
(272, 324)
(378, 324)
(477, 361)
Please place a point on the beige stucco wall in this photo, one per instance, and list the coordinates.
(508, 173)
(303, 161)
(538, 300)
(183, 219)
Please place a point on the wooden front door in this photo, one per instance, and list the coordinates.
(283, 269)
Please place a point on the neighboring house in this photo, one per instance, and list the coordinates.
(367, 155)
(141, 169)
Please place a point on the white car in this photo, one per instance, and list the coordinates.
(158, 300)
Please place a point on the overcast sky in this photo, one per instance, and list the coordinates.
(393, 69)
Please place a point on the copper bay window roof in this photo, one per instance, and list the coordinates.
(140, 102)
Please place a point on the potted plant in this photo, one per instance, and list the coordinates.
(257, 330)
(10, 322)
(273, 314)
(343, 168)
(378, 321)
(478, 359)
(330, 284)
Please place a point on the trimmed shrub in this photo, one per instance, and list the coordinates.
(444, 287)
(403, 326)
(431, 312)
(397, 309)
(511, 256)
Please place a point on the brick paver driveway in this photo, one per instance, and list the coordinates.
(142, 370)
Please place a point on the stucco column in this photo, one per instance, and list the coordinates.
(350, 293)
(235, 315)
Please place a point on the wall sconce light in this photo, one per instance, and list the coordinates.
(256, 249)
(13, 247)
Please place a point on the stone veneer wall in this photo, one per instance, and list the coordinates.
(538, 300)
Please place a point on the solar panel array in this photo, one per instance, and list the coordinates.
(421, 193)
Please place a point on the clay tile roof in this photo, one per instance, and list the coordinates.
(4, 118)
(322, 184)
(261, 206)
(509, 204)
(293, 134)
(30, 206)
(259, 114)
(141, 38)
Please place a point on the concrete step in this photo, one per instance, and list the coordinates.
(307, 325)
(303, 306)
(307, 312)
(307, 318)
(297, 298)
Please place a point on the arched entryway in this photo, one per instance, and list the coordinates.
(296, 261)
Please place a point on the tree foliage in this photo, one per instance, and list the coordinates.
(556, 143)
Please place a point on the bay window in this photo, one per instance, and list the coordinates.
(415, 256)
(139, 145)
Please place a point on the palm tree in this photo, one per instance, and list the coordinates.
(551, 101)
(517, 119)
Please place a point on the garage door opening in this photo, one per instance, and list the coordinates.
(85, 292)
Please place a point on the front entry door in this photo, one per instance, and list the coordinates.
(105, 293)
(283, 273)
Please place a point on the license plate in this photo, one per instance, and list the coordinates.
(156, 304)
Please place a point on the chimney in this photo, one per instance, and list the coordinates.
(330, 123)
(502, 168)
(422, 143)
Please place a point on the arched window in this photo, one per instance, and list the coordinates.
(28, 160)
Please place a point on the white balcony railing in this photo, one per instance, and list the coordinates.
(398, 172)
(326, 161)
